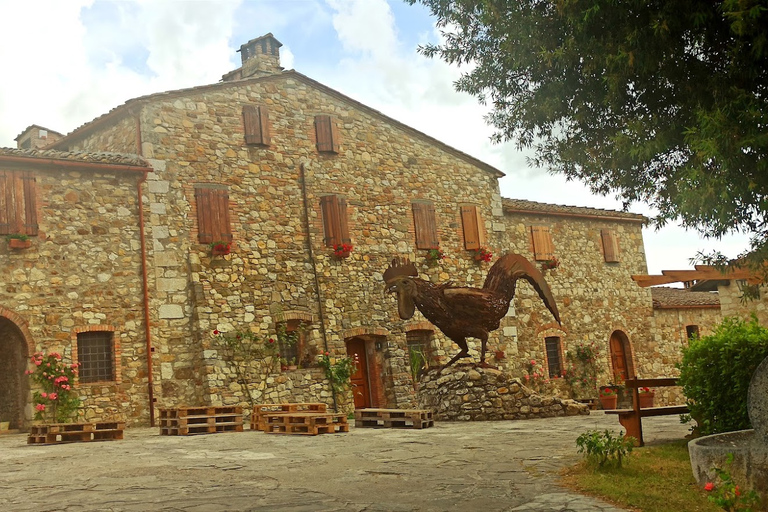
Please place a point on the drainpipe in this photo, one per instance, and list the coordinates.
(305, 200)
(144, 282)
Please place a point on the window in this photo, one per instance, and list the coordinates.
(419, 350)
(425, 225)
(290, 338)
(610, 246)
(542, 243)
(18, 210)
(327, 134)
(212, 213)
(96, 355)
(473, 227)
(335, 225)
(554, 365)
(256, 125)
(692, 331)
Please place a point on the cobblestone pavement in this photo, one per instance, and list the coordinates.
(478, 466)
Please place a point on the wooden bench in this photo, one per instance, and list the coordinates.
(631, 419)
(260, 410)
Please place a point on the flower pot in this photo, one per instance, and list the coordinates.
(646, 400)
(609, 402)
(293, 367)
(342, 254)
(220, 250)
(17, 243)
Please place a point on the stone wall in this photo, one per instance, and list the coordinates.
(732, 305)
(463, 393)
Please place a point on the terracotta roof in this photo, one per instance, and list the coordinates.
(521, 205)
(126, 109)
(93, 157)
(664, 297)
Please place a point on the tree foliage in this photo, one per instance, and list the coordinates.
(663, 102)
(716, 371)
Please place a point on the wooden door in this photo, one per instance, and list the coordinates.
(619, 357)
(360, 389)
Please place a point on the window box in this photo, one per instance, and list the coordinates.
(18, 243)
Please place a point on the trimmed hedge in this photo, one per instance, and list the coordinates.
(716, 371)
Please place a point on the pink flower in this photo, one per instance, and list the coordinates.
(44, 394)
(37, 362)
(533, 362)
(53, 396)
(327, 354)
(709, 486)
(40, 407)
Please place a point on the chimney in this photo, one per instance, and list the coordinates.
(36, 137)
(260, 56)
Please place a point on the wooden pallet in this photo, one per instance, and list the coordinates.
(306, 423)
(257, 417)
(394, 418)
(186, 421)
(56, 433)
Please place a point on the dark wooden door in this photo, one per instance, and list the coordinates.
(360, 390)
(619, 358)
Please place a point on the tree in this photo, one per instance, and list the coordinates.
(664, 102)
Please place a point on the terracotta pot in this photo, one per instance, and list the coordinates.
(646, 400)
(17, 243)
(220, 250)
(342, 254)
(609, 402)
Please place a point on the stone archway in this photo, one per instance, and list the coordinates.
(621, 357)
(14, 384)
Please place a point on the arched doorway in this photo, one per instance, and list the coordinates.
(360, 385)
(621, 357)
(14, 384)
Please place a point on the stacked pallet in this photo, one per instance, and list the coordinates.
(187, 421)
(257, 417)
(394, 418)
(306, 423)
(55, 433)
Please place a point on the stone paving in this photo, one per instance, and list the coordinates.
(472, 466)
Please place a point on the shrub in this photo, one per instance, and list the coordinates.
(604, 448)
(716, 371)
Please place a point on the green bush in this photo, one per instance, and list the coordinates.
(604, 448)
(715, 373)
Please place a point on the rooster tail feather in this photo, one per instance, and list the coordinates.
(503, 275)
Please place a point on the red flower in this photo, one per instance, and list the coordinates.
(215, 331)
(709, 486)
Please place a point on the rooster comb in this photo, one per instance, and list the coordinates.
(400, 267)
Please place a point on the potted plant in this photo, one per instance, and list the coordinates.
(434, 256)
(18, 241)
(342, 251)
(283, 364)
(608, 397)
(646, 397)
(482, 254)
(220, 248)
(292, 364)
(550, 264)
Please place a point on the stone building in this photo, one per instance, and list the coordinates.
(281, 170)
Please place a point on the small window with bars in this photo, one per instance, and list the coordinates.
(96, 356)
(419, 351)
(692, 331)
(291, 340)
(554, 364)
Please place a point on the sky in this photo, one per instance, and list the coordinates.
(66, 62)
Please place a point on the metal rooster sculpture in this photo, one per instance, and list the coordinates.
(462, 312)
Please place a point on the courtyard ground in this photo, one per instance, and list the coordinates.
(472, 466)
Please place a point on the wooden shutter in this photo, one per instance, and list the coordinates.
(213, 214)
(18, 204)
(425, 226)
(256, 125)
(335, 224)
(542, 243)
(469, 220)
(327, 134)
(610, 246)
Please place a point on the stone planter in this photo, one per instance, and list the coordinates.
(646, 400)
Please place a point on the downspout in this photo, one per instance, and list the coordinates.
(145, 283)
(305, 200)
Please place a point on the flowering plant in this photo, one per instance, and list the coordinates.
(550, 264)
(483, 254)
(342, 250)
(581, 373)
(56, 379)
(644, 390)
(220, 247)
(435, 255)
(338, 370)
(607, 391)
(536, 378)
(728, 495)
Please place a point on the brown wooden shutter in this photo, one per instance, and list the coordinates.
(256, 125)
(469, 220)
(542, 243)
(6, 203)
(610, 246)
(343, 222)
(425, 226)
(213, 222)
(30, 206)
(327, 134)
(335, 222)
